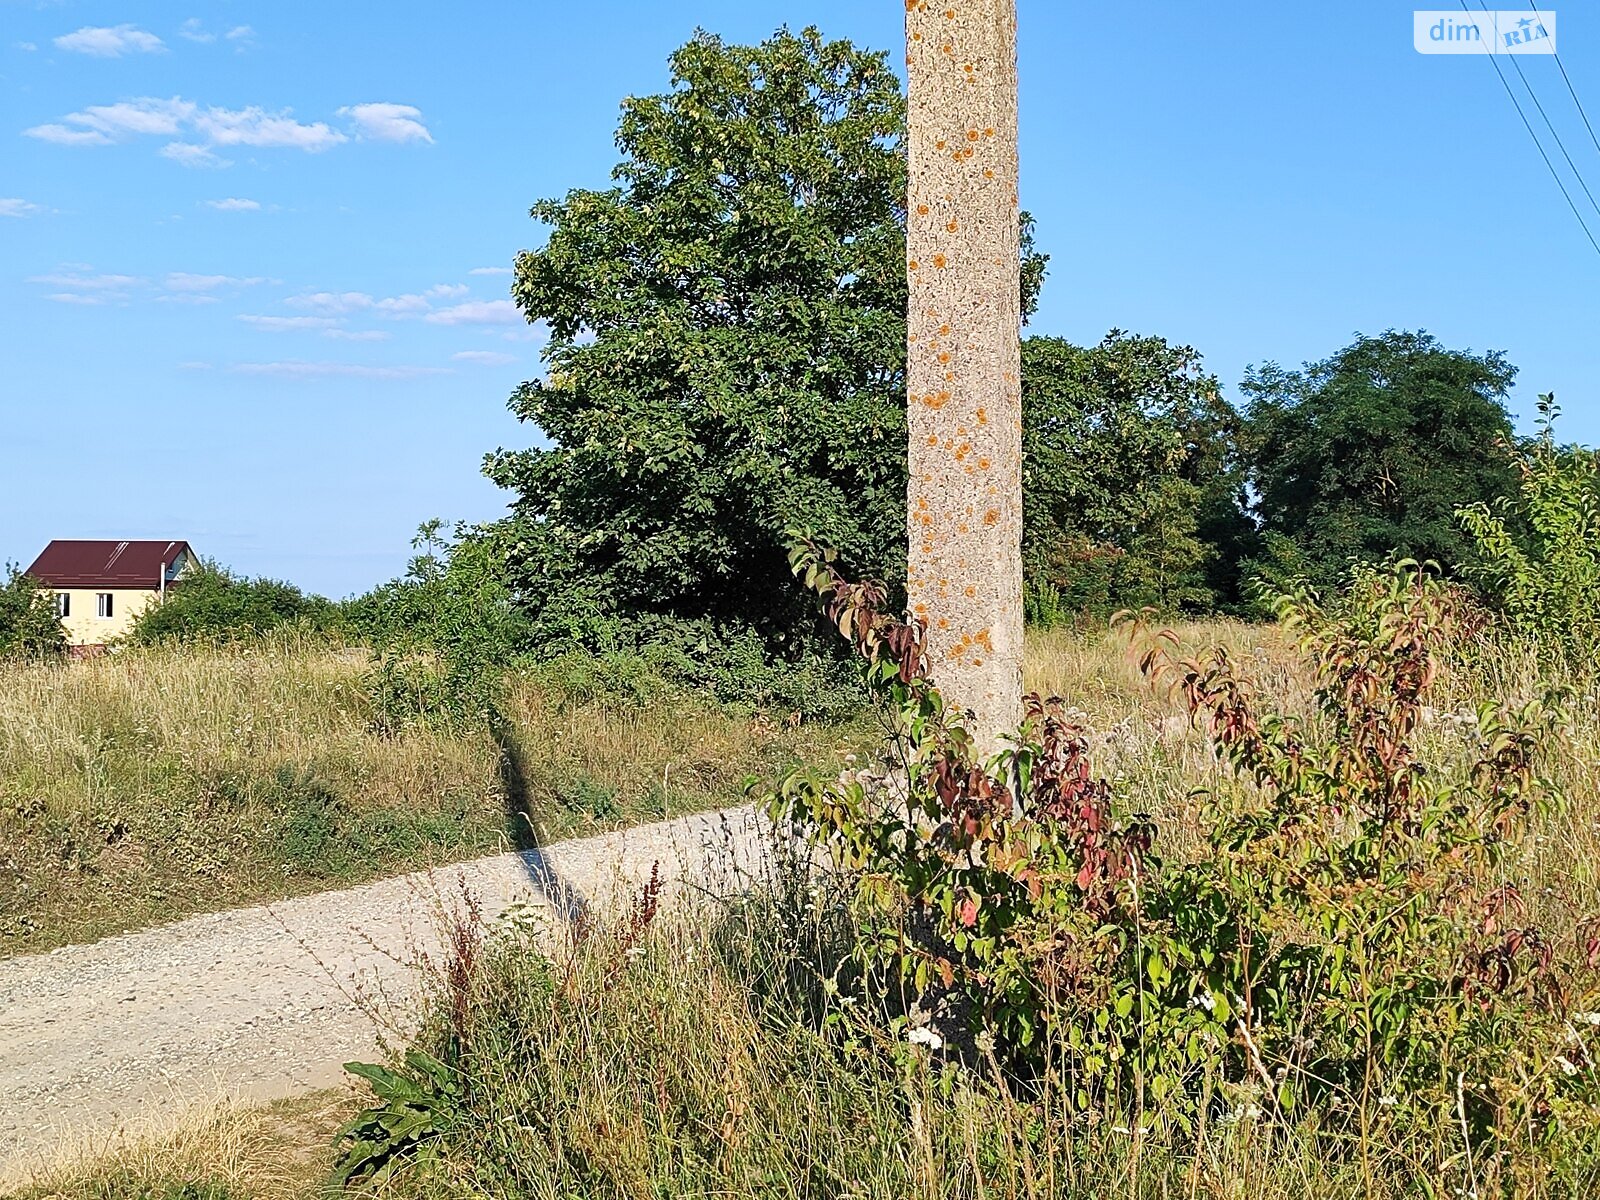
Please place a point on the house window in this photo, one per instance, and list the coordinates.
(63, 604)
(102, 604)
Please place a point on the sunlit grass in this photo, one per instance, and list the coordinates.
(155, 783)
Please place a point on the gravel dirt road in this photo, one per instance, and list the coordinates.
(258, 1003)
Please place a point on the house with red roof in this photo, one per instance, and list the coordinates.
(100, 587)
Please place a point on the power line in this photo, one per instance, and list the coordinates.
(1572, 91)
(1538, 145)
(1560, 145)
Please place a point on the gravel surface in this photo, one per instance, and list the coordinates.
(264, 1002)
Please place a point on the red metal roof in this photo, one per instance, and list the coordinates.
(74, 564)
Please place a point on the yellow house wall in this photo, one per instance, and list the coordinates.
(85, 629)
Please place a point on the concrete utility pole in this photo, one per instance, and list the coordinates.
(964, 327)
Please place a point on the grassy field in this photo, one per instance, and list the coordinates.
(236, 1152)
(703, 1067)
(158, 783)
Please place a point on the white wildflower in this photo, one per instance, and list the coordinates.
(923, 1036)
(1568, 1067)
(1588, 1018)
(1388, 1101)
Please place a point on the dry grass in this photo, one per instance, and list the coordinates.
(167, 781)
(786, 1110)
(1163, 766)
(279, 1151)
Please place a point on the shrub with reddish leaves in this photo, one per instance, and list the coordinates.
(1349, 940)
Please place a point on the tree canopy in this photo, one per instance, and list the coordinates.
(1370, 452)
(727, 346)
(1131, 478)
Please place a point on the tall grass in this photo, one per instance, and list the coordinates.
(733, 1049)
(165, 781)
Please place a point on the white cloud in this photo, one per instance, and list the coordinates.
(148, 114)
(409, 305)
(240, 33)
(201, 130)
(477, 312)
(194, 30)
(62, 136)
(183, 281)
(357, 335)
(234, 204)
(255, 126)
(28, 46)
(194, 366)
(12, 206)
(75, 298)
(395, 308)
(332, 302)
(109, 41)
(187, 298)
(93, 283)
(388, 122)
(187, 154)
(295, 369)
(490, 271)
(485, 358)
(285, 324)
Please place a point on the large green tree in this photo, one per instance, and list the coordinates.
(727, 346)
(1132, 479)
(1370, 452)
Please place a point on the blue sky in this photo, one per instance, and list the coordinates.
(253, 257)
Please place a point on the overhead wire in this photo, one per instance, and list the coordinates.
(1548, 124)
(1571, 91)
(1538, 145)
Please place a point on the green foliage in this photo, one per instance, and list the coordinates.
(1355, 900)
(28, 622)
(1349, 937)
(1131, 479)
(210, 603)
(126, 1185)
(726, 355)
(1370, 452)
(415, 1108)
(727, 339)
(452, 600)
(442, 635)
(1538, 551)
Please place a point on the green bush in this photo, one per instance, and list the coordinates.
(1538, 551)
(1349, 939)
(444, 635)
(28, 621)
(211, 604)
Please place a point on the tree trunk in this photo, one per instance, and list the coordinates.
(964, 325)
